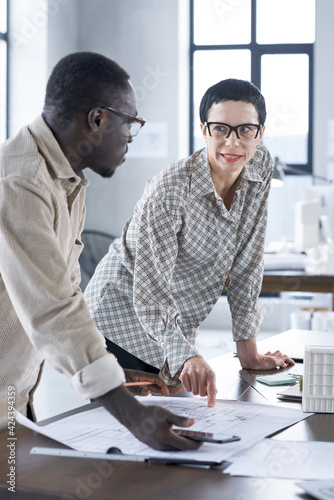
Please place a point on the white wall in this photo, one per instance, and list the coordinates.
(63, 37)
(323, 87)
(27, 61)
(40, 33)
(142, 37)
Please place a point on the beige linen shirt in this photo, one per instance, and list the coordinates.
(42, 311)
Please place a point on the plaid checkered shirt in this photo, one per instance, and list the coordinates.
(161, 279)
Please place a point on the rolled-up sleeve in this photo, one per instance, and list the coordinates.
(88, 382)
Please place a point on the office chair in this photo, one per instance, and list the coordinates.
(96, 245)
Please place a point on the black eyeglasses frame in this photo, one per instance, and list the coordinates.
(235, 129)
(132, 118)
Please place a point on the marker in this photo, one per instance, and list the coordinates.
(129, 384)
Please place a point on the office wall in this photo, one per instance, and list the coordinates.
(142, 37)
(63, 36)
(323, 88)
(27, 61)
(41, 32)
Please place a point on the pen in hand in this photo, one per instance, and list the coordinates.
(162, 390)
(130, 384)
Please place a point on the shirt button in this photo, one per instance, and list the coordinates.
(72, 179)
(162, 344)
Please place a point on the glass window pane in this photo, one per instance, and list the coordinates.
(210, 67)
(285, 87)
(3, 16)
(3, 91)
(222, 22)
(285, 21)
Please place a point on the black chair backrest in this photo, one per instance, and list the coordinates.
(96, 246)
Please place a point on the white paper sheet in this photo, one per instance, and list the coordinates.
(284, 261)
(96, 430)
(285, 459)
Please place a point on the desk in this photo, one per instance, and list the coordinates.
(294, 281)
(47, 477)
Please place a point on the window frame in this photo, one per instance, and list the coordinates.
(4, 38)
(257, 51)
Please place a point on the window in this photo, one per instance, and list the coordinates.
(269, 42)
(3, 70)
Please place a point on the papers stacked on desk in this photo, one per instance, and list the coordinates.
(291, 394)
(322, 490)
(96, 430)
(285, 459)
(284, 262)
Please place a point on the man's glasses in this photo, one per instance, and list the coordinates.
(135, 123)
(244, 132)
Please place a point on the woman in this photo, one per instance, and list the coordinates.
(198, 229)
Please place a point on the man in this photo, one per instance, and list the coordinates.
(87, 122)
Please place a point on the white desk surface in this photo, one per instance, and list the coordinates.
(296, 348)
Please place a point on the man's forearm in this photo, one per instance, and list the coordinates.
(121, 404)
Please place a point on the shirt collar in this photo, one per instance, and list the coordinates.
(253, 169)
(201, 182)
(53, 154)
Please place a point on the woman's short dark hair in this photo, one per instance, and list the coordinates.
(233, 90)
(80, 82)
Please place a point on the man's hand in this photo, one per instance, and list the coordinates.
(199, 378)
(251, 359)
(157, 386)
(150, 424)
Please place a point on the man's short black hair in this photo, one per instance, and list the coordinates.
(233, 89)
(80, 82)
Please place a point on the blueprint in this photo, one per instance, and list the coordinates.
(95, 430)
